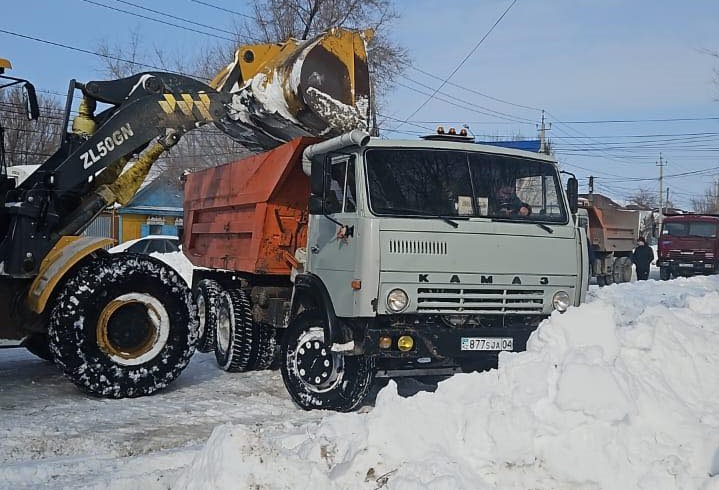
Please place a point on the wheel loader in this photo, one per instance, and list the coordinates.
(125, 325)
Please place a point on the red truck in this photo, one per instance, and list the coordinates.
(688, 245)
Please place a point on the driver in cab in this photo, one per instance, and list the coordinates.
(509, 204)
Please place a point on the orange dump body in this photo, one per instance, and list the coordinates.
(249, 215)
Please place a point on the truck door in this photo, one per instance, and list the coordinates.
(333, 240)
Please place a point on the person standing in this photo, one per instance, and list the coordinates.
(642, 256)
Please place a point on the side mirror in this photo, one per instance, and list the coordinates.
(573, 194)
(30, 98)
(316, 205)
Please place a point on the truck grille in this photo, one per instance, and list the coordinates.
(424, 247)
(487, 301)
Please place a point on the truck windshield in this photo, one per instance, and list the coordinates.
(450, 183)
(690, 228)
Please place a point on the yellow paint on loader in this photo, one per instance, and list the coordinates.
(67, 252)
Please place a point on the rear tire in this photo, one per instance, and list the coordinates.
(622, 270)
(318, 378)
(236, 332)
(265, 348)
(207, 295)
(123, 325)
(664, 273)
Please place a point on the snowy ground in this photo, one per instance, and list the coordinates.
(617, 394)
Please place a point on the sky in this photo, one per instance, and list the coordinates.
(620, 82)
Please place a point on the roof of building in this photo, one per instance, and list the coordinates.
(161, 196)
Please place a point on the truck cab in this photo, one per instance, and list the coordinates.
(433, 258)
(688, 245)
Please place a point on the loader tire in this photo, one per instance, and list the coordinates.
(207, 295)
(123, 325)
(236, 332)
(38, 344)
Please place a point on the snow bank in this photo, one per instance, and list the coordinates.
(620, 393)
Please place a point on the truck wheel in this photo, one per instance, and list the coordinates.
(622, 270)
(664, 274)
(123, 325)
(207, 294)
(315, 376)
(235, 331)
(265, 347)
(39, 345)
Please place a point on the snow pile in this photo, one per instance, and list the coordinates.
(620, 393)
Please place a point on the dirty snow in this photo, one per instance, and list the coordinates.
(617, 394)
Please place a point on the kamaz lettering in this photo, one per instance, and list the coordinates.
(105, 146)
(454, 279)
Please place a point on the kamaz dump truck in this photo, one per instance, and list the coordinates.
(612, 233)
(370, 258)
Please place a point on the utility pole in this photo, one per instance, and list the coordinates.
(543, 148)
(661, 164)
(716, 197)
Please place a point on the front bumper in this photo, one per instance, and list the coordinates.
(687, 267)
(435, 341)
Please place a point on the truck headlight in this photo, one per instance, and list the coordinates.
(560, 301)
(397, 300)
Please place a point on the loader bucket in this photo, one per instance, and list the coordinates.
(298, 88)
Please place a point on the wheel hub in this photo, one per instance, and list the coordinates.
(132, 328)
(317, 366)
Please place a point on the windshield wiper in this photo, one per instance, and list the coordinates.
(447, 220)
(545, 227)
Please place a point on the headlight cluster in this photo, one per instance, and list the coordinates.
(397, 300)
(561, 301)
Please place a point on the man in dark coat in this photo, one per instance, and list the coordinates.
(509, 204)
(642, 256)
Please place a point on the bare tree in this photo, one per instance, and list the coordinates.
(29, 142)
(707, 203)
(644, 198)
(277, 20)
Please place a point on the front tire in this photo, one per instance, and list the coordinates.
(123, 326)
(318, 378)
(664, 273)
(38, 344)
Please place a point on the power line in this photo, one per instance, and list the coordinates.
(94, 53)
(496, 99)
(478, 111)
(669, 119)
(226, 10)
(491, 112)
(156, 20)
(165, 14)
(444, 82)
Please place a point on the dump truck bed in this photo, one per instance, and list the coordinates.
(249, 215)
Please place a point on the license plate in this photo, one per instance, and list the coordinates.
(487, 343)
(686, 265)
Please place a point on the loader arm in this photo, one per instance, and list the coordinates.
(308, 88)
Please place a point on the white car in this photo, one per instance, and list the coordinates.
(149, 244)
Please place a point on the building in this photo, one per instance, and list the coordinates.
(155, 210)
